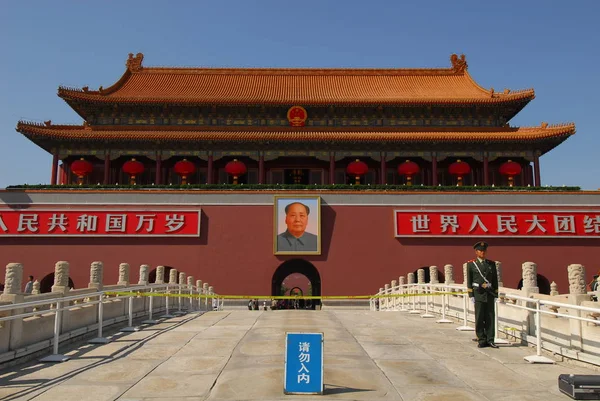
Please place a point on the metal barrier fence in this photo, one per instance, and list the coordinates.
(196, 296)
(423, 299)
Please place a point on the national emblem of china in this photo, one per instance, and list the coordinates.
(297, 116)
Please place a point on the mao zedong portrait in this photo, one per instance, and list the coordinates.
(295, 238)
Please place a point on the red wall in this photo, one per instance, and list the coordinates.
(235, 252)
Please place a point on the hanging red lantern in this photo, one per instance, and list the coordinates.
(356, 169)
(235, 168)
(81, 168)
(408, 169)
(459, 169)
(133, 168)
(510, 169)
(184, 168)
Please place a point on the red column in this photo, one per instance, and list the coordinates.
(261, 169)
(66, 173)
(332, 169)
(382, 168)
(486, 170)
(54, 174)
(536, 169)
(209, 172)
(158, 177)
(434, 173)
(107, 169)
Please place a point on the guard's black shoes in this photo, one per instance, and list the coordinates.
(493, 344)
(482, 345)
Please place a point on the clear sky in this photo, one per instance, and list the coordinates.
(550, 45)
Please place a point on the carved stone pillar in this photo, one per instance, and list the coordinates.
(36, 287)
(173, 276)
(123, 274)
(411, 278)
(530, 278)
(448, 274)
(433, 275)
(160, 275)
(190, 281)
(96, 275)
(198, 284)
(182, 278)
(401, 280)
(465, 273)
(554, 289)
(421, 276)
(13, 279)
(144, 269)
(61, 277)
(576, 279)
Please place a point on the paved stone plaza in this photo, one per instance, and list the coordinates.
(239, 355)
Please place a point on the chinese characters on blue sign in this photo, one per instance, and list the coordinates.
(303, 373)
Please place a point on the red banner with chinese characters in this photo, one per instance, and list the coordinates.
(96, 223)
(544, 224)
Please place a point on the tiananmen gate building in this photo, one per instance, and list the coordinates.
(392, 170)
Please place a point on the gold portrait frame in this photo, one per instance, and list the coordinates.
(280, 243)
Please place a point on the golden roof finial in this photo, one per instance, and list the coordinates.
(459, 64)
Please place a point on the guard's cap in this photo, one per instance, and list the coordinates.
(481, 246)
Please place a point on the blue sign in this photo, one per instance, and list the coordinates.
(303, 373)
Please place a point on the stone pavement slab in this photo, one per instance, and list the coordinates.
(238, 355)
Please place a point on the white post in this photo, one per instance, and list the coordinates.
(56, 357)
(130, 328)
(465, 326)
(538, 358)
(100, 339)
(443, 319)
(427, 291)
(497, 340)
(150, 307)
(167, 315)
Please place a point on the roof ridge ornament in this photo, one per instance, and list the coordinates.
(459, 64)
(134, 64)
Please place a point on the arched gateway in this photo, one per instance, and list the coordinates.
(297, 266)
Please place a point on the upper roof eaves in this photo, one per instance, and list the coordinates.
(307, 86)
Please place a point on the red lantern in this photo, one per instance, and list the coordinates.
(510, 169)
(81, 168)
(235, 168)
(184, 168)
(133, 168)
(459, 169)
(356, 169)
(408, 169)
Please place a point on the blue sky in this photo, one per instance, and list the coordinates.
(551, 46)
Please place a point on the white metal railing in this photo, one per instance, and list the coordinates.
(420, 298)
(59, 304)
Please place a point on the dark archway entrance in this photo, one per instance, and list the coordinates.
(298, 266)
(152, 275)
(48, 281)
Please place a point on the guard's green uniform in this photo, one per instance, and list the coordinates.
(485, 295)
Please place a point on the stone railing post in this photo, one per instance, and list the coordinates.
(198, 285)
(448, 274)
(61, 277)
(421, 276)
(123, 274)
(205, 292)
(182, 279)
(173, 276)
(386, 291)
(411, 278)
(554, 289)
(36, 287)
(433, 275)
(577, 294)
(143, 280)
(530, 279)
(96, 275)
(160, 275)
(499, 273)
(13, 279)
(190, 282)
(393, 285)
(465, 274)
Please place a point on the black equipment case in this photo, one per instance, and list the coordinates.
(580, 387)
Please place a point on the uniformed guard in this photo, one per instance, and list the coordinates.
(482, 286)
